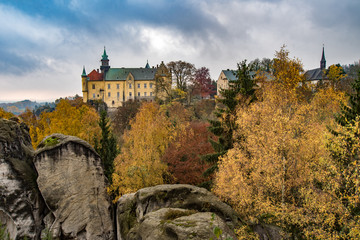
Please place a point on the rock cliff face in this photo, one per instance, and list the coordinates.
(72, 182)
(21, 205)
(173, 212)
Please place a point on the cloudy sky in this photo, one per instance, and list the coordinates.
(45, 43)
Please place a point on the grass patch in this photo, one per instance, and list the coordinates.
(51, 141)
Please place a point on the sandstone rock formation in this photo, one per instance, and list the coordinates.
(72, 182)
(21, 204)
(173, 212)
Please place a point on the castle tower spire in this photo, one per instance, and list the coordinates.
(83, 72)
(147, 64)
(323, 61)
(84, 81)
(104, 62)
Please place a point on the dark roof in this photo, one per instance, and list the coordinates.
(116, 74)
(95, 76)
(314, 74)
(230, 75)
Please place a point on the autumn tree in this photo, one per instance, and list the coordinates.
(140, 162)
(241, 91)
(286, 71)
(261, 65)
(106, 147)
(183, 155)
(351, 110)
(345, 150)
(5, 114)
(183, 73)
(202, 84)
(81, 121)
(280, 172)
(123, 115)
(335, 74)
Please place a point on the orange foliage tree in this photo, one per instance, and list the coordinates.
(183, 155)
(5, 114)
(282, 172)
(79, 120)
(140, 162)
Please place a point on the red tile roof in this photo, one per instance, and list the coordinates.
(95, 76)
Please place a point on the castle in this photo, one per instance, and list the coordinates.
(117, 85)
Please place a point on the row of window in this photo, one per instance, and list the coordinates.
(130, 85)
(130, 94)
(145, 94)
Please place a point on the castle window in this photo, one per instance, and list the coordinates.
(151, 85)
(138, 85)
(150, 94)
(130, 85)
(118, 95)
(109, 94)
(139, 94)
(109, 86)
(145, 85)
(93, 95)
(117, 86)
(145, 94)
(130, 94)
(93, 86)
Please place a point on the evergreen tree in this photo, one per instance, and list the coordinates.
(241, 91)
(349, 112)
(107, 148)
(345, 150)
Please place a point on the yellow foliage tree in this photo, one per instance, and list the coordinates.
(282, 172)
(5, 114)
(139, 163)
(345, 150)
(80, 121)
(335, 74)
(287, 72)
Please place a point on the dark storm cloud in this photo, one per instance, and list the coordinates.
(12, 63)
(55, 38)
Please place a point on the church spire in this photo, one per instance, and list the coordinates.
(323, 61)
(147, 64)
(83, 73)
(104, 62)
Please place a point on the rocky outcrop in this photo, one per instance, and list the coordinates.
(174, 212)
(62, 187)
(21, 205)
(72, 182)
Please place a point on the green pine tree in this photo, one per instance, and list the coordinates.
(349, 112)
(107, 148)
(240, 91)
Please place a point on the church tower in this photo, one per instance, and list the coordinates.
(84, 81)
(104, 62)
(323, 61)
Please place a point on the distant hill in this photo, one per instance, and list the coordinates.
(20, 107)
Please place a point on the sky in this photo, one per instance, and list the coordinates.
(44, 44)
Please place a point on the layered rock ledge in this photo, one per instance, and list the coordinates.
(72, 182)
(174, 212)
